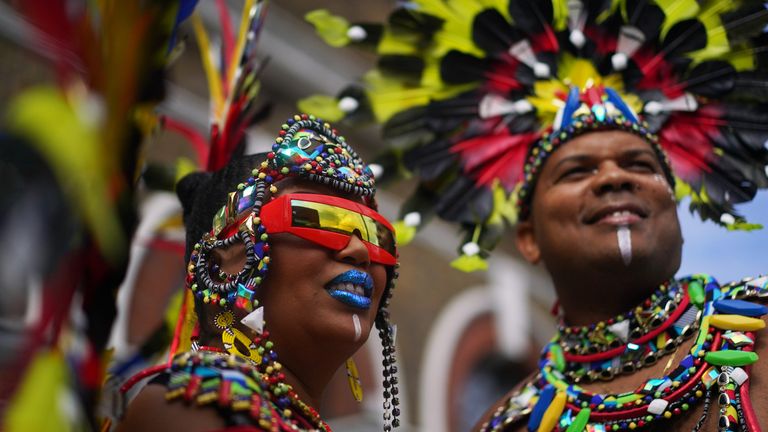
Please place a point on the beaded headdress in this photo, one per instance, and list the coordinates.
(305, 148)
(465, 90)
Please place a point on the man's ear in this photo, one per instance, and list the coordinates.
(525, 239)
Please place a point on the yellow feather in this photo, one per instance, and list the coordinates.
(214, 79)
(83, 166)
(241, 36)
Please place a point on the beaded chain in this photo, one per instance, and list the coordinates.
(717, 363)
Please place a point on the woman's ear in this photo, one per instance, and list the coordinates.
(231, 259)
(525, 239)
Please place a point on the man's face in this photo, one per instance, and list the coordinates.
(587, 190)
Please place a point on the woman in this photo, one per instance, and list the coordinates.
(297, 264)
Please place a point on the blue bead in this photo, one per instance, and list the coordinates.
(545, 398)
(740, 307)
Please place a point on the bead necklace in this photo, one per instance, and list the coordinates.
(211, 375)
(716, 363)
(630, 341)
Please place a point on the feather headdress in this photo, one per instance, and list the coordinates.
(464, 89)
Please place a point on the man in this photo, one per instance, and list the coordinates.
(603, 222)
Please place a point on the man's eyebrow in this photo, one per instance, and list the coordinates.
(580, 158)
(638, 152)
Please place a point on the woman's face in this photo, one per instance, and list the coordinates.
(306, 292)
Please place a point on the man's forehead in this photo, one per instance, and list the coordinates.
(602, 144)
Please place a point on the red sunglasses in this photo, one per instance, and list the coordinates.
(330, 221)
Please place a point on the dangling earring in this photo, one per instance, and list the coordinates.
(353, 377)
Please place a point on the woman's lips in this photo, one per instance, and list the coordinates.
(353, 288)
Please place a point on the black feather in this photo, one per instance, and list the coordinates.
(492, 33)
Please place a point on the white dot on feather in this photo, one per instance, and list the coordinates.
(412, 219)
(619, 61)
(541, 70)
(356, 33)
(727, 218)
(577, 38)
(348, 104)
(470, 249)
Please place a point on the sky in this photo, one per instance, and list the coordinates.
(726, 255)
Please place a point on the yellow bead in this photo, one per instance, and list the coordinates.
(736, 322)
(667, 414)
(552, 414)
(287, 412)
(273, 189)
(262, 176)
(632, 425)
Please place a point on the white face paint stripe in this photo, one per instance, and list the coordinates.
(358, 327)
(624, 236)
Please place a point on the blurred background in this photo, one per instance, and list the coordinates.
(463, 339)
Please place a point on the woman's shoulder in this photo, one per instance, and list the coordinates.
(203, 391)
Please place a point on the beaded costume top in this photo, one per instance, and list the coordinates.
(717, 322)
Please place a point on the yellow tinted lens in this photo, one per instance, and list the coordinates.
(381, 235)
(309, 214)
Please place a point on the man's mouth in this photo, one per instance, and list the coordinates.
(353, 288)
(624, 214)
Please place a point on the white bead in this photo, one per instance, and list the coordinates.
(356, 33)
(470, 249)
(348, 104)
(412, 219)
(577, 38)
(376, 169)
(657, 406)
(739, 376)
(727, 218)
(619, 61)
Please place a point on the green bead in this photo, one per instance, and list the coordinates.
(285, 170)
(557, 355)
(580, 421)
(269, 345)
(686, 406)
(731, 358)
(264, 237)
(696, 293)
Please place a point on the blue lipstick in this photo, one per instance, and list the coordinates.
(353, 288)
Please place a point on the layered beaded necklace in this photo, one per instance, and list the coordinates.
(212, 376)
(717, 362)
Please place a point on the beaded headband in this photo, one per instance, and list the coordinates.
(596, 108)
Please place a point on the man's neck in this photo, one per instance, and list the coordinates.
(586, 301)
